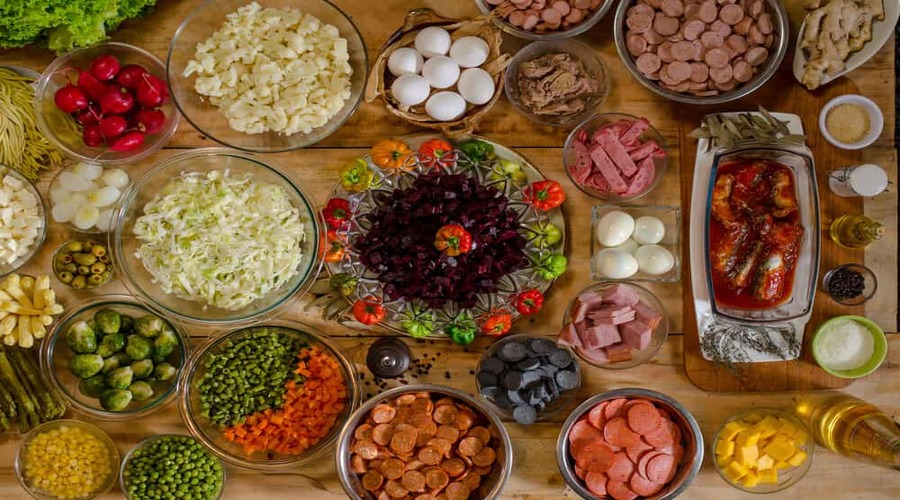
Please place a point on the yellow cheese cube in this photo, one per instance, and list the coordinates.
(765, 462)
(768, 426)
(747, 456)
(722, 461)
(780, 450)
(734, 471)
(748, 437)
(781, 465)
(800, 437)
(768, 476)
(787, 426)
(797, 458)
(731, 429)
(750, 480)
(724, 447)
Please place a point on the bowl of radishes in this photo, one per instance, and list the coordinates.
(108, 103)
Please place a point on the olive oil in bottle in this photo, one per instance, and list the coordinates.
(858, 430)
(855, 231)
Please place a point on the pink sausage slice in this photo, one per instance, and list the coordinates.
(731, 14)
(708, 11)
(743, 72)
(563, 7)
(636, 44)
(737, 43)
(720, 27)
(672, 8)
(690, 10)
(653, 37)
(712, 39)
(582, 4)
(756, 8)
(639, 23)
(648, 63)
(665, 25)
(743, 27)
(716, 58)
(664, 51)
(517, 18)
(693, 29)
(679, 71)
(755, 35)
(551, 16)
(531, 20)
(699, 72)
(721, 75)
(683, 51)
(757, 55)
(639, 8)
(764, 23)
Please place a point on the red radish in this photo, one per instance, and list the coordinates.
(91, 86)
(116, 100)
(113, 126)
(151, 91)
(149, 121)
(129, 141)
(105, 67)
(91, 136)
(88, 116)
(130, 76)
(70, 99)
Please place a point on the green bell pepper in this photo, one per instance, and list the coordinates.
(343, 283)
(551, 266)
(356, 176)
(462, 329)
(477, 151)
(546, 234)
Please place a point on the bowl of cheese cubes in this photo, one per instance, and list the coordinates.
(763, 450)
(23, 220)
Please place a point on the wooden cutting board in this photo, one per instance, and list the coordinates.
(782, 94)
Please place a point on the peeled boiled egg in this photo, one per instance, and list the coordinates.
(648, 230)
(654, 259)
(405, 61)
(441, 72)
(629, 246)
(410, 89)
(470, 51)
(476, 86)
(445, 106)
(616, 264)
(433, 41)
(614, 228)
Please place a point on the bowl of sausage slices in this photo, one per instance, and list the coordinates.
(701, 51)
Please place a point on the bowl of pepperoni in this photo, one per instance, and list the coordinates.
(629, 443)
(426, 440)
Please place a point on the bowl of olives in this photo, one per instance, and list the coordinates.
(114, 359)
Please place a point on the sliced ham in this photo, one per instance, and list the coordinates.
(618, 353)
(609, 311)
(583, 167)
(648, 315)
(599, 336)
(597, 356)
(617, 153)
(636, 334)
(643, 178)
(647, 149)
(634, 132)
(613, 320)
(585, 303)
(569, 336)
(608, 169)
(620, 294)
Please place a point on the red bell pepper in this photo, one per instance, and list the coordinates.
(496, 323)
(435, 151)
(529, 301)
(368, 310)
(337, 213)
(453, 240)
(545, 195)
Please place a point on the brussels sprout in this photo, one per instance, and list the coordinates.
(110, 364)
(86, 365)
(127, 325)
(120, 378)
(81, 338)
(92, 387)
(124, 358)
(111, 344)
(164, 371)
(149, 326)
(165, 343)
(108, 321)
(140, 390)
(115, 399)
(142, 369)
(138, 347)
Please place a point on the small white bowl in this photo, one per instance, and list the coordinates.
(876, 120)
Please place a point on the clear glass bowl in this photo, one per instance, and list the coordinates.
(21, 461)
(61, 128)
(657, 339)
(209, 17)
(212, 436)
(592, 124)
(485, 7)
(670, 217)
(870, 282)
(589, 58)
(55, 356)
(57, 271)
(56, 187)
(141, 282)
(41, 231)
(123, 477)
(786, 477)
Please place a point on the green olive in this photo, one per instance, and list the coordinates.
(79, 282)
(96, 279)
(98, 268)
(66, 277)
(98, 251)
(73, 247)
(85, 259)
(71, 267)
(84, 270)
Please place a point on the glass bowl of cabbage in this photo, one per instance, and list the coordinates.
(216, 236)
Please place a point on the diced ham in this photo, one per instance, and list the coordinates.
(648, 315)
(649, 148)
(609, 311)
(598, 182)
(618, 353)
(613, 320)
(634, 132)
(585, 303)
(643, 178)
(583, 167)
(620, 294)
(617, 128)
(616, 152)
(597, 356)
(636, 334)
(608, 170)
(569, 336)
(599, 336)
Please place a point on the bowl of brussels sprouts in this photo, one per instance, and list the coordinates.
(114, 359)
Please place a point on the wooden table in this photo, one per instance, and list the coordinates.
(535, 474)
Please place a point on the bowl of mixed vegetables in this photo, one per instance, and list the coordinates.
(114, 359)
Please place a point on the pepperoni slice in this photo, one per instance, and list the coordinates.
(644, 487)
(595, 457)
(582, 433)
(447, 432)
(618, 433)
(382, 434)
(436, 478)
(620, 490)
(643, 418)
(372, 480)
(613, 408)
(661, 468)
(446, 414)
(481, 433)
(596, 483)
(472, 481)
(383, 413)
(425, 434)
(470, 446)
(443, 445)
(595, 416)
(661, 437)
(429, 455)
(454, 466)
(392, 468)
(358, 464)
(445, 401)
(422, 405)
(413, 480)
(395, 489)
(465, 419)
(366, 449)
(485, 457)
(457, 491)
(580, 472)
(405, 399)
(622, 468)
(645, 459)
(363, 432)
(404, 439)
(637, 451)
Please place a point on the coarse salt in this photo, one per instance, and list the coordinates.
(845, 345)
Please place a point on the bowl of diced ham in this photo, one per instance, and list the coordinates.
(615, 157)
(615, 325)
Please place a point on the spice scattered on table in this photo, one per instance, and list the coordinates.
(848, 123)
(171, 467)
(67, 462)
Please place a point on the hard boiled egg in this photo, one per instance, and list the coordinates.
(614, 228)
(629, 246)
(648, 230)
(616, 264)
(433, 41)
(441, 72)
(476, 86)
(654, 259)
(470, 51)
(410, 89)
(445, 106)
(405, 61)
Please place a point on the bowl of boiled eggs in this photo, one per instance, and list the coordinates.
(440, 73)
(635, 243)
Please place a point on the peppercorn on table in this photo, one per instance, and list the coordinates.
(535, 473)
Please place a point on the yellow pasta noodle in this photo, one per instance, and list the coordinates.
(22, 146)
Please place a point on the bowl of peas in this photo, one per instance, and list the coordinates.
(171, 466)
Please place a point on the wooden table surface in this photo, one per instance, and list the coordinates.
(534, 474)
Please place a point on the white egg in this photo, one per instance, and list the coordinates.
(410, 90)
(470, 51)
(616, 264)
(433, 41)
(116, 178)
(445, 106)
(654, 259)
(441, 72)
(405, 61)
(614, 228)
(629, 246)
(476, 86)
(649, 230)
(85, 217)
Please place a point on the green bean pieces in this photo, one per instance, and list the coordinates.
(173, 467)
(248, 375)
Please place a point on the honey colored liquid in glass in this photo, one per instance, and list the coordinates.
(856, 429)
(855, 231)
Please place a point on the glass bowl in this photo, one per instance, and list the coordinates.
(657, 336)
(142, 283)
(61, 128)
(56, 356)
(213, 437)
(62, 267)
(21, 461)
(490, 489)
(209, 17)
(671, 219)
(589, 58)
(879, 353)
(8, 267)
(589, 126)
(546, 407)
(786, 476)
(124, 476)
(692, 441)
(486, 7)
(70, 174)
(870, 284)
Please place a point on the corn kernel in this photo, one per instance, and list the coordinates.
(67, 462)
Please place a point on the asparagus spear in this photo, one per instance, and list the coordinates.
(58, 406)
(7, 403)
(28, 417)
(48, 407)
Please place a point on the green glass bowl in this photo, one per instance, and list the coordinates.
(874, 362)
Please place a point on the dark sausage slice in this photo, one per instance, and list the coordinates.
(665, 25)
(648, 63)
(363, 432)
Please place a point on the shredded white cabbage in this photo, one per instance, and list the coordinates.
(219, 238)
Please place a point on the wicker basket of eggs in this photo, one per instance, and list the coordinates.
(440, 73)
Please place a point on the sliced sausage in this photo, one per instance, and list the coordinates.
(679, 71)
(551, 16)
(648, 63)
(383, 413)
(366, 449)
(712, 39)
(617, 432)
(721, 75)
(672, 8)
(372, 480)
(638, 8)
(531, 21)
(622, 468)
(698, 87)
(677, 37)
(392, 468)
(693, 29)
(725, 86)
(699, 72)
(665, 25)
(596, 483)
(720, 27)
(708, 11)
(448, 432)
(517, 18)
(664, 76)
(485, 457)
(743, 27)
(358, 464)
(757, 55)
(574, 16)
(436, 478)
(756, 9)
(382, 434)
(414, 480)
(395, 489)
(562, 7)
(755, 36)
(634, 453)
(457, 491)
(736, 43)
(690, 10)
(764, 23)
(644, 418)
(595, 457)
(716, 58)
(470, 446)
(636, 44)
(743, 72)
(639, 23)
(595, 416)
(481, 433)
(454, 466)
(620, 491)
(652, 37)
(661, 468)
(644, 487)
(699, 50)
(731, 14)
(664, 51)
(683, 51)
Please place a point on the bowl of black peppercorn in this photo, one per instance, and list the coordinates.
(850, 284)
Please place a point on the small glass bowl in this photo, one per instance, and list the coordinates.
(879, 353)
(21, 460)
(61, 128)
(123, 477)
(56, 190)
(589, 126)
(41, 231)
(657, 339)
(583, 26)
(552, 408)
(787, 476)
(589, 58)
(670, 217)
(59, 267)
(870, 282)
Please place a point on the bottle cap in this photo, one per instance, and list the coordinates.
(388, 358)
(868, 180)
